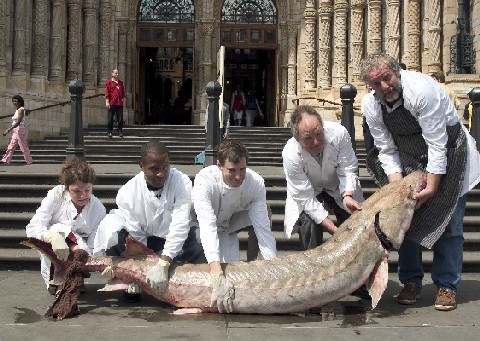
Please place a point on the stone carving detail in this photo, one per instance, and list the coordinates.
(292, 58)
(105, 20)
(393, 15)
(413, 35)
(40, 31)
(325, 23)
(89, 9)
(122, 48)
(340, 44)
(434, 36)
(374, 44)
(357, 37)
(19, 32)
(73, 47)
(2, 36)
(56, 40)
(309, 16)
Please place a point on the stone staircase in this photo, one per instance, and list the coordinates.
(21, 193)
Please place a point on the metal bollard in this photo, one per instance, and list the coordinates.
(212, 140)
(474, 96)
(75, 146)
(347, 94)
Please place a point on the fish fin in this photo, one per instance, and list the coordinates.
(133, 248)
(46, 249)
(377, 283)
(114, 286)
(186, 311)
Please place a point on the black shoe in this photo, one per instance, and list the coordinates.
(120, 134)
(362, 293)
(109, 135)
(131, 298)
(52, 289)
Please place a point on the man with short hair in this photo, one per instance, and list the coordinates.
(228, 197)
(114, 101)
(154, 208)
(416, 127)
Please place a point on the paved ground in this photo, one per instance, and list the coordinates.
(103, 314)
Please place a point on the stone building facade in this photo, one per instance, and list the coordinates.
(289, 51)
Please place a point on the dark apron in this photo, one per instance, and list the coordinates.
(430, 220)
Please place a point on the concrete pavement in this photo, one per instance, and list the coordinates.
(104, 315)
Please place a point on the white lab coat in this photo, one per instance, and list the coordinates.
(430, 105)
(222, 210)
(57, 213)
(142, 214)
(306, 178)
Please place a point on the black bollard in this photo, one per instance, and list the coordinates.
(347, 94)
(75, 137)
(474, 96)
(212, 140)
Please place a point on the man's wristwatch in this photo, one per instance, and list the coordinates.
(347, 195)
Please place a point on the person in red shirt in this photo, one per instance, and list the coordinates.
(114, 95)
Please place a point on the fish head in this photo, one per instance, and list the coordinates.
(396, 206)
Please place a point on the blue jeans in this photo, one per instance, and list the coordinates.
(447, 255)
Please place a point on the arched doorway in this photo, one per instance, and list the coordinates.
(249, 34)
(165, 36)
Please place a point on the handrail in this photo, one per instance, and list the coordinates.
(28, 111)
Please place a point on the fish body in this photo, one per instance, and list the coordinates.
(354, 255)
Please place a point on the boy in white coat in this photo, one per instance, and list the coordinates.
(154, 208)
(227, 197)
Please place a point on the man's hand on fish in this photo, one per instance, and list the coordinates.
(432, 184)
(59, 246)
(157, 276)
(108, 272)
(350, 204)
(223, 293)
(328, 226)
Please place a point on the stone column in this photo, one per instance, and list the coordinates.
(73, 40)
(292, 58)
(56, 40)
(357, 37)
(3, 40)
(413, 35)
(393, 15)
(325, 23)
(340, 10)
(434, 36)
(122, 48)
(105, 24)
(19, 37)
(40, 38)
(309, 16)
(374, 43)
(207, 30)
(90, 42)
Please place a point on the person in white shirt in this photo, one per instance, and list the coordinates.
(154, 208)
(227, 197)
(320, 168)
(68, 217)
(415, 126)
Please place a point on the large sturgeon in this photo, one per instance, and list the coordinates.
(355, 255)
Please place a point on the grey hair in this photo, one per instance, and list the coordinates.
(373, 61)
(297, 116)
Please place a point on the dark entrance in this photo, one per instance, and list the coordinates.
(252, 69)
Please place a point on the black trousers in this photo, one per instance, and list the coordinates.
(115, 111)
(310, 233)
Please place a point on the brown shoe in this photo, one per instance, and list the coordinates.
(445, 300)
(409, 294)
